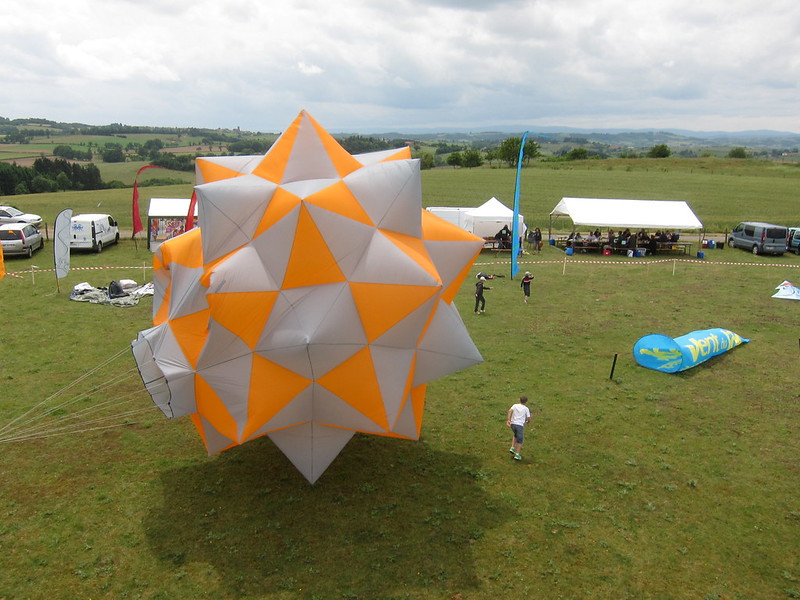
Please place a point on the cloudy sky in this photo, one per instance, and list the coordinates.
(404, 65)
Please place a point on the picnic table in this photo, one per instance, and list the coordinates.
(582, 246)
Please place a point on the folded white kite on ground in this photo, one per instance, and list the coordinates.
(788, 291)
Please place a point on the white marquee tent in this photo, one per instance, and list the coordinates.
(490, 217)
(484, 221)
(633, 214)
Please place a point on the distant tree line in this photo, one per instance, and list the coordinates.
(48, 176)
(359, 144)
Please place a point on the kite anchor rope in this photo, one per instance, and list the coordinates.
(46, 420)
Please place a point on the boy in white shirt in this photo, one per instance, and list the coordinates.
(518, 416)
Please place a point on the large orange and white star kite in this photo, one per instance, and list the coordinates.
(315, 300)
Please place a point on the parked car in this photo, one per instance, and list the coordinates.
(794, 240)
(11, 214)
(21, 238)
(93, 232)
(759, 238)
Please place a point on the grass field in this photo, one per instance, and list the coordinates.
(644, 485)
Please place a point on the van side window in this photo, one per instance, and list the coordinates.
(749, 230)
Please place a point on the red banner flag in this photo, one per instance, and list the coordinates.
(137, 220)
(190, 216)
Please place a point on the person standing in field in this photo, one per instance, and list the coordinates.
(517, 417)
(537, 240)
(479, 299)
(525, 284)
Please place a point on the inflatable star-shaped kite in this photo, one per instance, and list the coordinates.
(315, 300)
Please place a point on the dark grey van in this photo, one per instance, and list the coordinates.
(759, 238)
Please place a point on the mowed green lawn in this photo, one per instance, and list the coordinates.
(644, 485)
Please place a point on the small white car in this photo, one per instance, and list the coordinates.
(93, 232)
(20, 238)
(11, 214)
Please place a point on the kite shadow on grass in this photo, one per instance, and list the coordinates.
(388, 515)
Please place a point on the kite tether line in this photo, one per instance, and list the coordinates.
(46, 419)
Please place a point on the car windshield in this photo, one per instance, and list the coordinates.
(13, 212)
(10, 234)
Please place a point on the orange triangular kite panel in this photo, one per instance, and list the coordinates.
(310, 262)
(339, 199)
(382, 305)
(401, 154)
(215, 172)
(280, 205)
(243, 313)
(191, 332)
(276, 159)
(354, 382)
(271, 388)
(212, 408)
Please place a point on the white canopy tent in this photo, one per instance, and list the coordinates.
(490, 217)
(624, 213)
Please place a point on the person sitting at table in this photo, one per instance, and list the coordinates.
(610, 237)
(652, 245)
(674, 237)
(626, 234)
(597, 233)
(503, 237)
(632, 241)
(643, 237)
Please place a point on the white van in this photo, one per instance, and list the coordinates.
(93, 232)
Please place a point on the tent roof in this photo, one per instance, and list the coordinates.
(617, 212)
(170, 207)
(491, 208)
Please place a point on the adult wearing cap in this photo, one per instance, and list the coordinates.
(479, 299)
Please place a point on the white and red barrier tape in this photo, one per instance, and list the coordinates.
(38, 270)
(635, 262)
(477, 264)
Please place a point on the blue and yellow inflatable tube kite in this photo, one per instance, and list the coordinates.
(663, 353)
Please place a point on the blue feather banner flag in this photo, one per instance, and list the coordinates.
(515, 232)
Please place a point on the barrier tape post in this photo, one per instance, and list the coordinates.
(564, 269)
(613, 366)
(674, 262)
